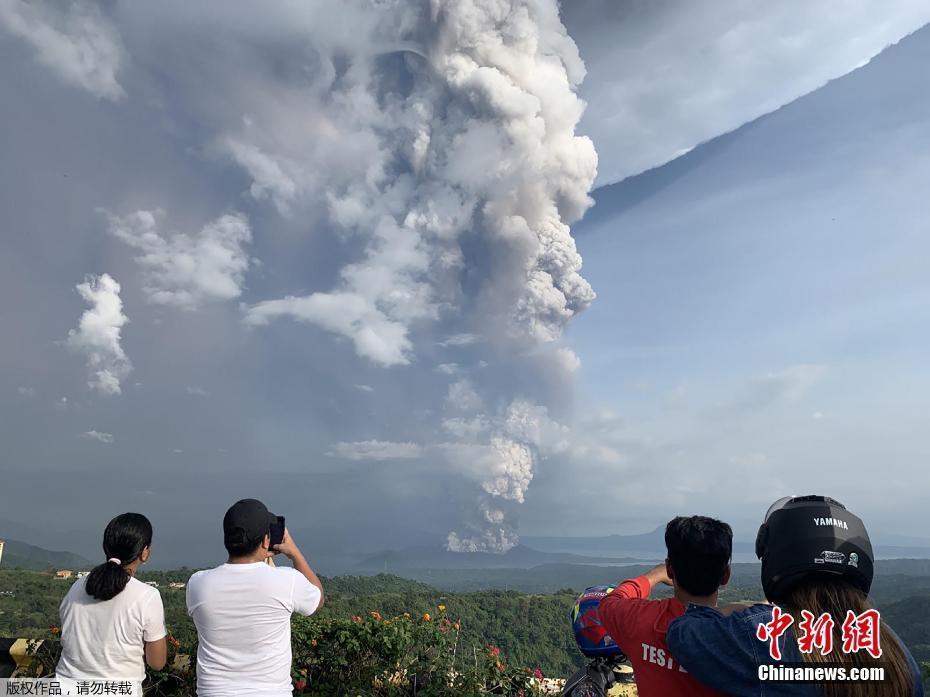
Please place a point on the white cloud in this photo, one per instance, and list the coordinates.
(376, 450)
(373, 334)
(196, 390)
(98, 334)
(666, 76)
(365, 388)
(268, 179)
(98, 436)
(184, 270)
(567, 359)
(447, 368)
(460, 340)
(73, 39)
(462, 397)
(26, 392)
(466, 428)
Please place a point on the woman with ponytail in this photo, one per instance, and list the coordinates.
(112, 624)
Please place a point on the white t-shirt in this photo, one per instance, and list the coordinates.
(243, 618)
(105, 639)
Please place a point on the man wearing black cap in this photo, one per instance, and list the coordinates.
(242, 609)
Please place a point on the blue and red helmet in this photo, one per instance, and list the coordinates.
(590, 635)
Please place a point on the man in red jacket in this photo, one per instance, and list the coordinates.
(698, 563)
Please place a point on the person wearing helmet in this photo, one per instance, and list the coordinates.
(698, 563)
(817, 561)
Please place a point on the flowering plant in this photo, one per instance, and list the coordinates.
(403, 655)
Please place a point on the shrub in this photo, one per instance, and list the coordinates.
(373, 656)
(398, 656)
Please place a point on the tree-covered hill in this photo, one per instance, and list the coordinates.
(25, 556)
(910, 618)
(531, 629)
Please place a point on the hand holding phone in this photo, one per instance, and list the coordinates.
(288, 548)
(276, 534)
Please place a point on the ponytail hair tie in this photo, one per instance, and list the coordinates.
(115, 561)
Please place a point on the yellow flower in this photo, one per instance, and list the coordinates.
(442, 608)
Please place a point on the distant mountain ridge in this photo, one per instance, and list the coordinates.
(653, 543)
(520, 557)
(26, 556)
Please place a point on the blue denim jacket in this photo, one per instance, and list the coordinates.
(724, 653)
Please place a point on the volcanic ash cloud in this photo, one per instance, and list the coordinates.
(443, 138)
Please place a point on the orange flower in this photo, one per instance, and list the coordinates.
(356, 618)
(426, 617)
(377, 616)
(456, 626)
(54, 630)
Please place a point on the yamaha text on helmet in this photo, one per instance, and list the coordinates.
(805, 535)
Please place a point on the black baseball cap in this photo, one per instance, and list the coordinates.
(247, 520)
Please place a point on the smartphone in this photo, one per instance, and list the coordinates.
(276, 532)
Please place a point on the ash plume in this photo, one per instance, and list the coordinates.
(461, 179)
(433, 143)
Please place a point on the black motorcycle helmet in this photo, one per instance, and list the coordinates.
(805, 535)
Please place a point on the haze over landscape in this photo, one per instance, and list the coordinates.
(329, 266)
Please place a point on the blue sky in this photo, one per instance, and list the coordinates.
(339, 274)
(763, 301)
